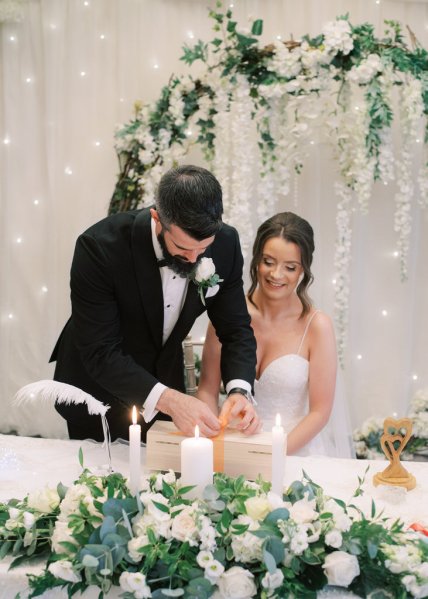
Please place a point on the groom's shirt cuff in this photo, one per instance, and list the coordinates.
(241, 384)
(149, 408)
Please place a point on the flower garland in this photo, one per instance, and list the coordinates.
(367, 437)
(343, 78)
(240, 540)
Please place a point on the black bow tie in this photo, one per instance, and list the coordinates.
(162, 263)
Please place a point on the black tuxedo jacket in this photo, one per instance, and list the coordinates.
(111, 347)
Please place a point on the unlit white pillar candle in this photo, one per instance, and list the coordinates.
(197, 463)
(134, 453)
(279, 449)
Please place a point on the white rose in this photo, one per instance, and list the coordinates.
(73, 497)
(205, 270)
(334, 538)
(61, 533)
(257, 507)
(341, 568)
(135, 582)
(135, 544)
(237, 583)
(273, 581)
(64, 569)
(184, 527)
(44, 501)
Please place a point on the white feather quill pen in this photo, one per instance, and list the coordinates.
(51, 392)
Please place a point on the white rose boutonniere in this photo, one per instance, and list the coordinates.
(205, 277)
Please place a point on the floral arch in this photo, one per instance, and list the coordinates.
(255, 107)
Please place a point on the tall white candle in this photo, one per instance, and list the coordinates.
(279, 449)
(197, 463)
(134, 453)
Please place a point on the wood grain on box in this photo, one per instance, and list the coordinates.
(234, 453)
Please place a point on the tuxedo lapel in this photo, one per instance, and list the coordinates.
(147, 274)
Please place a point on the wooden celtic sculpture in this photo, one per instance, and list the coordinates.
(396, 434)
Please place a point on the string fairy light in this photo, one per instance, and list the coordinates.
(359, 357)
(68, 170)
(384, 312)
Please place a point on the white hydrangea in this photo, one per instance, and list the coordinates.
(338, 37)
(366, 70)
(247, 547)
(285, 62)
(401, 558)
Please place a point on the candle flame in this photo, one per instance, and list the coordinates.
(278, 420)
(197, 431)
(134, 415)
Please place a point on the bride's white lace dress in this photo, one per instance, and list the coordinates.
(283, 389)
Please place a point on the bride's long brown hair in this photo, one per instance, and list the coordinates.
(295, 229)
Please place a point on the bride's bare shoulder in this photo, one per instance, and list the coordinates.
(320, 322)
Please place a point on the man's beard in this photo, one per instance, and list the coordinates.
(181, 267)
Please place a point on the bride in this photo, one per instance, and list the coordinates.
(296, 349)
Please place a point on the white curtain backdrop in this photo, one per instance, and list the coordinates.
(70, 72)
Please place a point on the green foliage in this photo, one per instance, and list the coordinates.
(233, 54)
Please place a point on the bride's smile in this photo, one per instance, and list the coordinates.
(280, 266)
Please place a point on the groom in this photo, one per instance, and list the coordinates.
(135, 298)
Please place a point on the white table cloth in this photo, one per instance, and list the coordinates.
(27, 464)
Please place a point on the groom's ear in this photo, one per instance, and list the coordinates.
(155, 215)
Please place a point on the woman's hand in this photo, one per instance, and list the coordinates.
(238, 406)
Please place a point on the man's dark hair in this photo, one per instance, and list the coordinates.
(190, 197)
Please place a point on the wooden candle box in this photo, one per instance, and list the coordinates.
(234, 452)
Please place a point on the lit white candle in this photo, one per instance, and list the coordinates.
(197, 463)
(279, 448)
(134, 453)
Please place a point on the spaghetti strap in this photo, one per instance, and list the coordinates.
(306, 330)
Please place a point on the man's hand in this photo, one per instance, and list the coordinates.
(237, 406)
(187, 412)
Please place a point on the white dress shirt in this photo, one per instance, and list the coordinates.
(174, 289)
